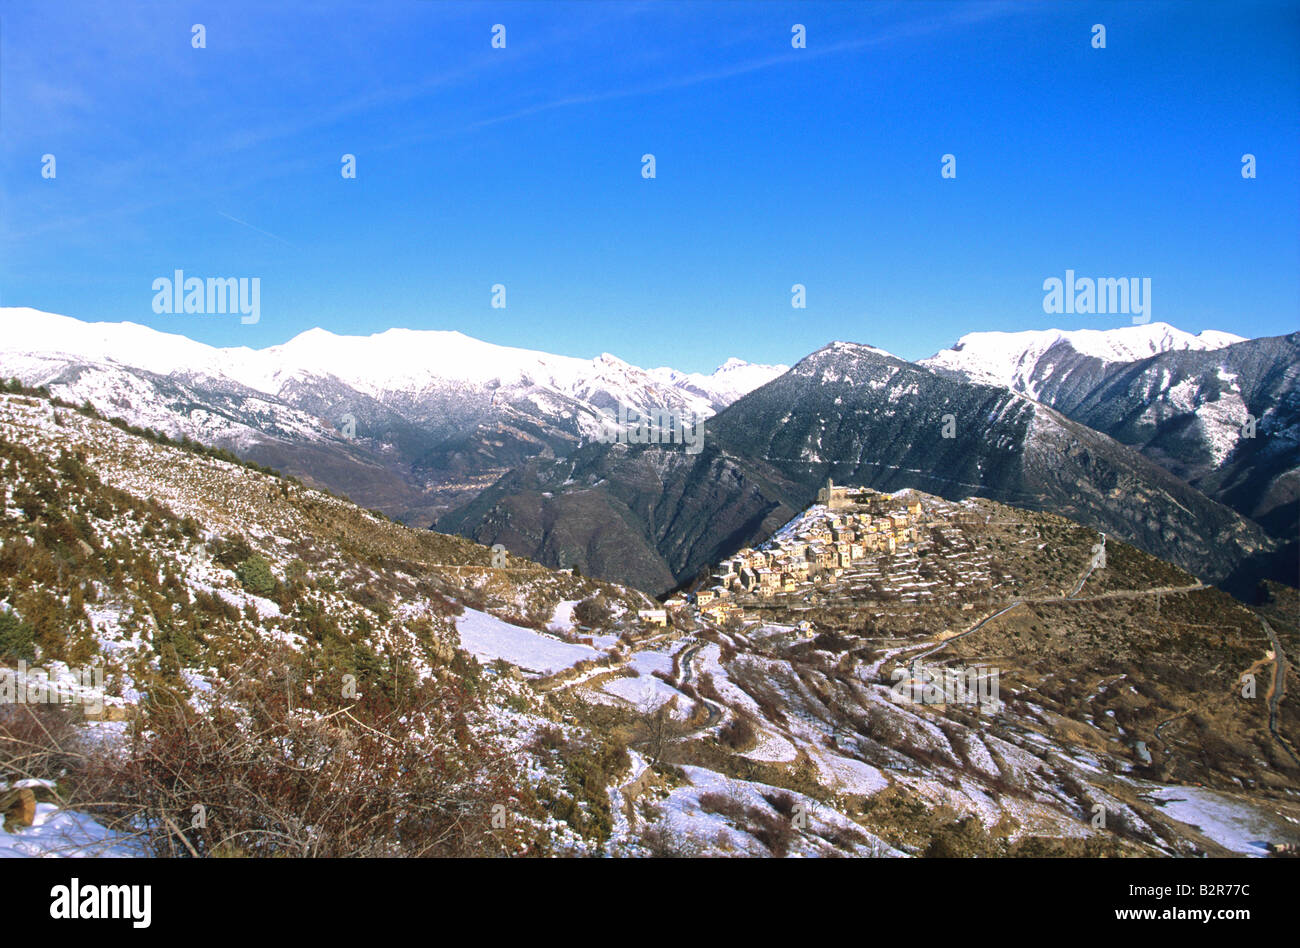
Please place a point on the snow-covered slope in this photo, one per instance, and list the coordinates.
(402, 420)
(1019, 360)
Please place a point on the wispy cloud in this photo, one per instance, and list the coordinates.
(956, 18)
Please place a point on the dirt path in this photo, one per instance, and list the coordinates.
(1098, 562)
(1159, 727)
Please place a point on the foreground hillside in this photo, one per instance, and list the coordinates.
(285, 673)
(216, 595)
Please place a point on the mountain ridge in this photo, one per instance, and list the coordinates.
(999, 357)
(371, 417)
(1223, 417)
(865, 418)
(444, 451)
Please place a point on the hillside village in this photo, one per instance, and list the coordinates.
(845, 537)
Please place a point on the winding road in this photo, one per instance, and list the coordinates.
(687, 662)
(1278, 691)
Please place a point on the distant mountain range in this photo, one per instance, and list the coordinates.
(1137, 431)
(1022, 361)
(404, 421)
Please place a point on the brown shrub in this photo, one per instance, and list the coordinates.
(738, 733)
(37, 741)
(254, 775)
(594, 612)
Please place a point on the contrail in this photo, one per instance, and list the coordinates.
(258, 229)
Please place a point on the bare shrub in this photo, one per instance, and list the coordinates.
(782, 802)
(729, 805)
(738, 733)
(771, 827)
(257, 773)
(663, 843)
(594, 612)
(37, 741)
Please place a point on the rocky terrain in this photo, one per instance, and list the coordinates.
(284, 673)
(1181, 400)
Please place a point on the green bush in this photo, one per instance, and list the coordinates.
(255, 575)
(16, 638)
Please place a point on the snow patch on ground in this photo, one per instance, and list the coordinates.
(1231, 823)
(55, 832)
(647, 693)
(488, 638)
(562, 620)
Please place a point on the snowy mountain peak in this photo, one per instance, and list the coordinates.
(1012, 359)
(432, 379)
(853, 348)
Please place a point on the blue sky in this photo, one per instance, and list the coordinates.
(775, 166)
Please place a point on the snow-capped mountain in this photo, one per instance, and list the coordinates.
(402, 416)
(1219, 411)
(1022, 361)
(397, 362)
(729, 381)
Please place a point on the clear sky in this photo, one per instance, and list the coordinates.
(774, 165)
